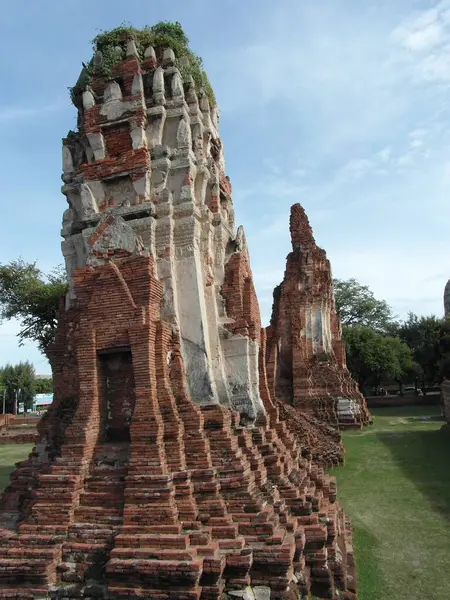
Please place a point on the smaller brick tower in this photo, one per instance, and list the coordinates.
(305, 353)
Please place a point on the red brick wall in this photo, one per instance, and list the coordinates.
(117, 140)
(240, 296)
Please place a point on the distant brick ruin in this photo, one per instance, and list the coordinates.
(306, 362)
(163, 469)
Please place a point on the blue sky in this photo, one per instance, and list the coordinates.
(340, 105)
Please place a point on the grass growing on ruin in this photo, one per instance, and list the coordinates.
(9, 455)
(161, 35)
(395, 485)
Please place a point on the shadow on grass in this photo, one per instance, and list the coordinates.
(423, 457)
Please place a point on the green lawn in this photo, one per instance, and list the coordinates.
(9, 455)
(395, 485)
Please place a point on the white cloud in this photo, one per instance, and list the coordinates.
(385, 154)
(425, 39)
(326, 60)
(356, 168)
(406, 160)
(421, 33)
(419, 133)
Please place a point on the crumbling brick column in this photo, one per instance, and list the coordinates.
(305, 354)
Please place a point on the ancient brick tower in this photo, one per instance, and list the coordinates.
(306, 363)
(162, 469)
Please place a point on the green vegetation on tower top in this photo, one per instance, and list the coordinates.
(162, 35)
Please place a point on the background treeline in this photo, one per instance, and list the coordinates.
(382, 349)
(20, 381)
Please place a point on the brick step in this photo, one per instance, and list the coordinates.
(96, 514)
(39, 539)
(167, 541)
(141, 496)
(209, 550)
(156, 573)
(231, 544)
(141, 529)
(263, 529)
(47, 494)
(220, 521)
(155, 553)
(59, 481)
(25, 553)
(225, 532)
(201, 537)
(102, 484)
(143, 465)
(119, 448)
(260, 517)
(87, 535)
(12, 592)
(120, 592)
(33, 569)
(45, 530)
(101, 499)
(237, 469)
(149, 482)
(76, 552)
(106, 471)
(56, 513)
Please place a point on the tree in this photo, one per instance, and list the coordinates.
(32, 297)
(424, 336)
(356, 305)
(444, 350)
(408, 369)
(44, 386)
(372, 356)
(18, 381)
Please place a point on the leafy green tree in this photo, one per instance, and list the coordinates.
(32, 297)
(44, 386)
(356, 305)
(444, 350)
(423, 335)
(408, 370)
(18, 381)
(372, 356)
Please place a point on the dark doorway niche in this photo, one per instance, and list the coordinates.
(117, 394)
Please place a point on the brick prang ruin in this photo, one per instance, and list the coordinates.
(306, 361)
(163, 470)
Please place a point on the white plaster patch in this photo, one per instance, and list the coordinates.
(97, 144)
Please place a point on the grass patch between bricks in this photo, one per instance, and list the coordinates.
(9, 455)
